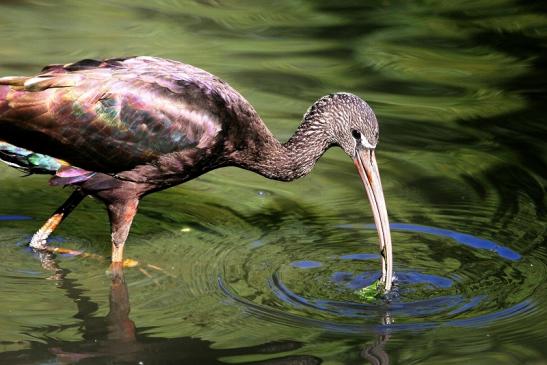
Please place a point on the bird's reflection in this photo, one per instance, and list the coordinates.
(115, 338)
(376, 353)
(110, 336)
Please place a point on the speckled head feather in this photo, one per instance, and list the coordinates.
(346, 118)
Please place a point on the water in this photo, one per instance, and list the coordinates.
(238, 269)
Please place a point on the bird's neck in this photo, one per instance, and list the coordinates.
(265, 155)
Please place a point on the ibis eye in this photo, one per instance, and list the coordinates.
(356, 134)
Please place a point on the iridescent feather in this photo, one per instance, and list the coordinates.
(28, 161)
(112, 115)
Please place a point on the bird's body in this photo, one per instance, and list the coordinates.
(122, 128)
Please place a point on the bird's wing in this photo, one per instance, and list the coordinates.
(112, 115)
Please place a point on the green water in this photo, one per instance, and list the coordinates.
(256, 271)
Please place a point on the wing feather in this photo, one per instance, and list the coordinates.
(112, 115)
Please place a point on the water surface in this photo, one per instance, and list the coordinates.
(239, 269)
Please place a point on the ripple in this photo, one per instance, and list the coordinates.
(451, 292)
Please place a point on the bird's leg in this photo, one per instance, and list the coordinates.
(38, 241)
(121, 215)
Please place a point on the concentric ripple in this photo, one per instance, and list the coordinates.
(476, 281)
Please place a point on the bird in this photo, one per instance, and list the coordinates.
(119, 129)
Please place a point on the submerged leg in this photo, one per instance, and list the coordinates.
(121, 329)
(38, 241)
(121, 214)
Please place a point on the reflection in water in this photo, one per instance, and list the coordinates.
(376, 353)
(462, 238)
(116, 337)
(14, 218)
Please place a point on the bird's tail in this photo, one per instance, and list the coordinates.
(37, 163)
(28, 161)
(13, 94)
(20, 158)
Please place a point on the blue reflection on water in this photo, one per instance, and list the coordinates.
(463, 238)
(360, 256)
(357, 309)
(14, 218)
(354, 282)
(414, 277)
(306, 264)
(364, 311)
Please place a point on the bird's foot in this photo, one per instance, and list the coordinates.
(126, 263)
(129, 263)
(117, 267)
(46, 252)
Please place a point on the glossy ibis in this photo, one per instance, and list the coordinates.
(122, 128)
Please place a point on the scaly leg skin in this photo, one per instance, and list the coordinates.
(121, 214)
(39, 239)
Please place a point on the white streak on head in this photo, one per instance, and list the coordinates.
(365, 143)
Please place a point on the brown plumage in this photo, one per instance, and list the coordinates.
(131, 126)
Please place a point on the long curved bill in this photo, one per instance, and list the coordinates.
(365, 161)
